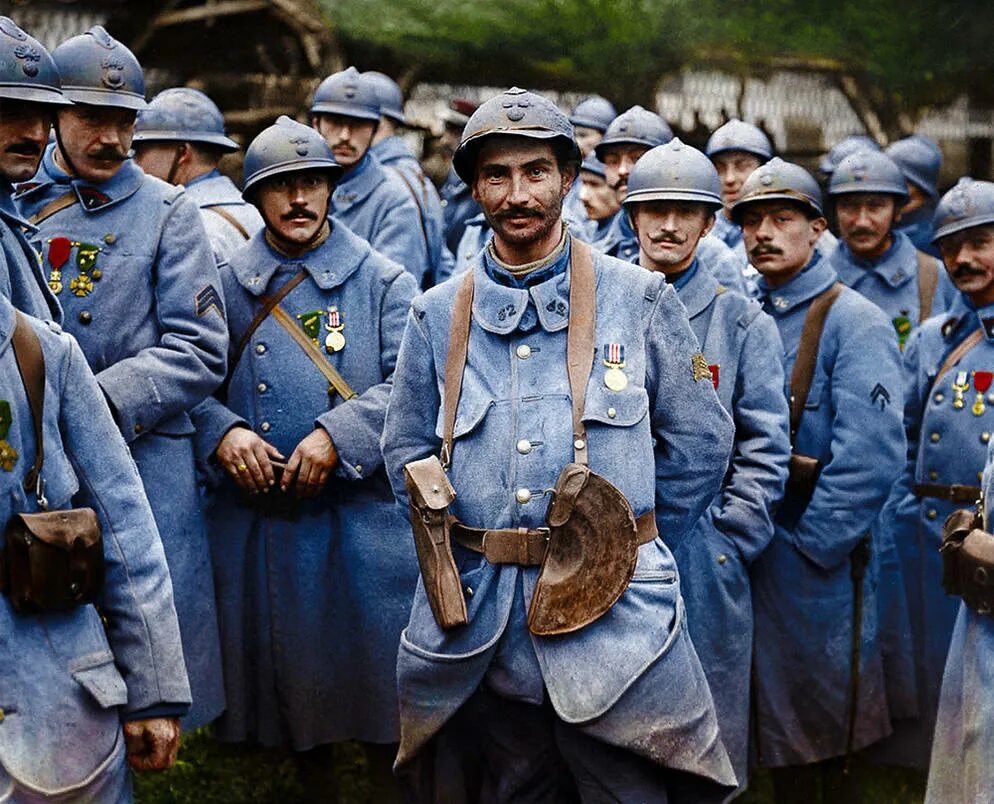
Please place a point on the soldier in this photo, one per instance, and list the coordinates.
(180, 139)
(30, 92)
(457, 200)
(874, 257)
(314, 573)
(737, 148)
(847, 145)
(818, 676)
(395, 155)
(948, 422)
(590, 119)
(628, 137)
(372, 203)
(920, 160)
(128, 257)
(673, 197)
(74, 679)
(593, 695)
(600, 202)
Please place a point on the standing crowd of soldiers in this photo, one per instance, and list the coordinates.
(606, 473)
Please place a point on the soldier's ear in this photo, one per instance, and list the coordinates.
(818, 225)
(709, 225)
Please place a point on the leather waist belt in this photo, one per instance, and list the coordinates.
(952, 493)
(527, 545)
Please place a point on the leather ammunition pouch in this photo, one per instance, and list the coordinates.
(968, 561)
(53, 561)
(429, 493)
(593, 547)
(803, 477)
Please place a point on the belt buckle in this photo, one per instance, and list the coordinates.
(544, 532)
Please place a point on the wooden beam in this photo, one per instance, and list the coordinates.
(208, 12)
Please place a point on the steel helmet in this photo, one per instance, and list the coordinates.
(183, 114)
(98, 70)
(593, 112)
(516, 112)
(970, 203)
(779, 179)
(869, 172)
(637, 126)
(737, 135)
(27, 71)
(842, 149)
(347, 93)
(920, 159)
(674, 172)
(591, 164)
(286, 147)
(389, 95)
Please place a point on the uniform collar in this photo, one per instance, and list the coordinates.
(210, 174)
(93, 197)
(698, 288)
(392, 149)
(329, 265)
(619, 234)
(499, 308)
(214, 188)
(816, 277)
(358, 183)
(962, 318)
(9, 211)
(892, 266)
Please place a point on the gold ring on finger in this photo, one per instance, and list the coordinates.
(241, 468)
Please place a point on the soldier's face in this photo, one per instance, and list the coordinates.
(618, 161)
(597, 197)
(520, 188)
(779, 238)
(669, 232)
(96, 139)
(348, 137)
(587, 139)
(865, 221)
(295, 205)
(969, 259)
(734, 167)
(24, 128)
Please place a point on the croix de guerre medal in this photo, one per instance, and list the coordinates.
(614, 359)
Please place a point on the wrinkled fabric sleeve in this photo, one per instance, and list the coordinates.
(356, 425)
(760, 457)
(692, 430)
(409, 427)
(188, 362)
(137, 599)
(867, 438)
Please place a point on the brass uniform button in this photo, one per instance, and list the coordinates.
(932, 513)
(524, 446)
(139, 429)
(85, 317)
(934, 438)
(260, 348)
(611, 413)
(524, 351)
(522, 495)
(722, 559)
(933, 475)
(262, 387)
(265, 427)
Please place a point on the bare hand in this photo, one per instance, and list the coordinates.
(152, 744)
(312, 462)
(247, 458)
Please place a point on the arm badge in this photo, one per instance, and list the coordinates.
(700, 368)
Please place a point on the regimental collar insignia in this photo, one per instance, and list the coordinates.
(91, 197)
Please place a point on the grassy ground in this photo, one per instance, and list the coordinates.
(210, 773)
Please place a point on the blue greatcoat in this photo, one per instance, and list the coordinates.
(802, 591)
(214, 189)
(743, 348)
(68, 678)
(153, 332)
(376, 205)
(394, 154)
(946, 445)
(312, 606)
(458, 206)
(631, 678)
(961, 770)
(21, 279)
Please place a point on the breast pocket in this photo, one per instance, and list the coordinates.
(620, 442)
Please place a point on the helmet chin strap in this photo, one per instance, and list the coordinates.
(177, 155)
(62, 148)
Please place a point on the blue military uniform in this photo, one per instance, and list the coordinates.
(743, 349)
(214, 191)
(960, 771)
(802, 591)
(394, 154)
(459, 206)
(630, 678)
(141, 294)
(376, 206)
(318, 598)
(21, 278)
(69, 678)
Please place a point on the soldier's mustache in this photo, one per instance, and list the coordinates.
(25, 148)
(109, 153)
(862, 233)
(622, 182)
(764, 249)
(667, 237)
(967, 270)
(300, 212)
(519, 212)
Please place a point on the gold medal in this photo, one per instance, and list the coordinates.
(615, 379)
(8, 456)
(334, 341)
(81, 285)
(960, 386)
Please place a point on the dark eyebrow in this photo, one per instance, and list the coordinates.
(542, 161)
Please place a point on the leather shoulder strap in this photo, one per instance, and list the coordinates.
(807, 353)
(53, 206)
(455, 361)
(928, 280)
(957, 354)
(219, 210)
(268, 303)
(335, 380)
(31, 366)
(417, 204)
